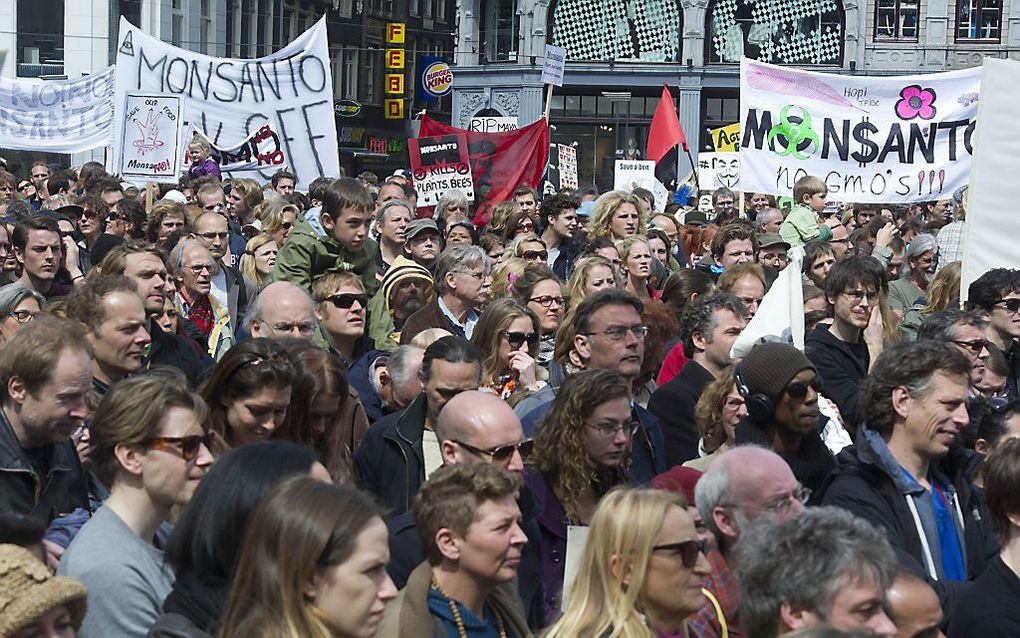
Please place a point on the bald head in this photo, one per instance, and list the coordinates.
(479, 420)
(282, 310)
(914, 607)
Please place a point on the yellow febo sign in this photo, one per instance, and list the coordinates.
(395, 32)
(394, 84)
(393, 109)
(394, 58)
(726, 138)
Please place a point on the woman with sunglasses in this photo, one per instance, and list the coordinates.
(641, 572)
(259, 259)
(248, 393)
(582, 450)
(539, 288)
(529, 247)
(151, 448)
(636, 261)
(518, 222)
(18, 305)
(507, 334)
(278, 218)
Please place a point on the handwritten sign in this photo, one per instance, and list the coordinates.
(151, 131)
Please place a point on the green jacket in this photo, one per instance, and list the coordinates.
(801, 226)
(310, 252)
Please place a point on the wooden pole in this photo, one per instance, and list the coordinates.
(548, 101)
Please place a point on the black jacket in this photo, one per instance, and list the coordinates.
(170, 350)
(407, 552)
(991, 607)
(22, 490)
(390, 463)
(811, 464)
(430, 316)
(673, 403)
(842, 366)
(862, 484)
(563, 266)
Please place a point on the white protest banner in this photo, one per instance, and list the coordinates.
(719, 169)
(262, 148)
(151, 130)
(230, 99)
(780, 315)
(440, 164)
(992, 226)
(554, 65)
(631, 174)
(57, 116)
(869, 138)
(492, 124)
(568, 166)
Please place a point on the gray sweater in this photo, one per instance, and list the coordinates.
(127, 578)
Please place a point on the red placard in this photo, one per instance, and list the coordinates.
(500, 162)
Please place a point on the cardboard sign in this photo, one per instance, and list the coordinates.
(438, 165)
(568, 166)
(726, 139)
(554, 65)
(492, 124)
(151, 132)
(719, 169)
(631, 174)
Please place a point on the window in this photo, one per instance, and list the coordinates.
(612, 30)
(803, 32)
(979, 20)
(206, 25)
(176, 23)
(499, 30)
(441, 10)
(346, 8)
(373, 77)
(415, 7)
(40, 37)
(896, 19)
(349, 70)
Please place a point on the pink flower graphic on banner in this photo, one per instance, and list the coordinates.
(916, 102)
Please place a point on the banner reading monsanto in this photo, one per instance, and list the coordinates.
(871, 139)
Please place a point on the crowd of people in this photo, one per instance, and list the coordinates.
(231, 408)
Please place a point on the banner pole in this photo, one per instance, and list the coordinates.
(694, 168)
(548, 101)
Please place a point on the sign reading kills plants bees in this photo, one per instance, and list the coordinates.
(440, 164)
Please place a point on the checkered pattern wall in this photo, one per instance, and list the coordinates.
(777, 31)
(645, 30)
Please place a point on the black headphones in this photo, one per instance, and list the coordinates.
(760, 407)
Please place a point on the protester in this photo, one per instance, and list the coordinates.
(151, 448)
(37, 603)
(259, 259)
(913, 607)
(641, 571)
(313, 563)
(718, 411)
(423, 242)
(231, 290)
(193, 266)
(617, 215)
(541, 291)
(508, 333)
(462, 277)
(818, 261)
(591, 274)
(559, 216)
(772, 250)
(37, 246)
(746, 282)
(804, 223)
(943, 293)
(921, 261)
(733, 244)
(391, 220)
(405, 289)
(636, 260)
(282, 309)
(468, 519)
(997, 293)
(18, 306)
(965, 330)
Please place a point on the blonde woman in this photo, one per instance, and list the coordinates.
(259, 259)
(278, 218)
(504, 276)
(641, 571)
(636, 262)
(591, 274)
(943, 292)
(618, 215)
(508, 332)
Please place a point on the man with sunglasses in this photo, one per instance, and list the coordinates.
(996, 293)
(478, 427)
(151, 448)
(780, 388)
(842, 351)
(231, 289)
(907, 475)
(964, 329)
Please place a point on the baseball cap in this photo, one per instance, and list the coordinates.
(419, 226)
(767, 240)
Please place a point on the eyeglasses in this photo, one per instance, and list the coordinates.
(532, 255)
(187, 446)
(22, 316)
(477, 275)
(619, 333)
(857, 296)
(733, 404)
(548, 300)
(198, 268)
(688, 551)
(25, 187)
(1012, 305)
(518, 339)
(974, 346)
(213, 235)
(112, 217)
(346, 299)
(303, 328)
(501, 454)
(799, 494)
(798, 389)
(609, 430)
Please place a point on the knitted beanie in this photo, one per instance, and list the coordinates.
(769, 367)
(28, 590)
(402, 269)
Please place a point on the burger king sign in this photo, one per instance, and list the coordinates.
(437, 79)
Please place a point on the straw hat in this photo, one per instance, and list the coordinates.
(28, 590)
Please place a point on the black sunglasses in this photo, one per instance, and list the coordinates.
(1012, 305)
(346, 299)
(536, 254)
(687, 551)
(518, 339)
(798, 389)
(503, 453)
(187, 445)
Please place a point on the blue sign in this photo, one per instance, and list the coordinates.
(434, 78)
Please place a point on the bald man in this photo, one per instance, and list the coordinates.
(913, 605)
(282, 309)
(478, 427)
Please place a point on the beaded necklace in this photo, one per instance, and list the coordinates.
(461, 630)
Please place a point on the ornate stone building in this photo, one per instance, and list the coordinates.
(621, 52)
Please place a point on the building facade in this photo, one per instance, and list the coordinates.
(621, 52)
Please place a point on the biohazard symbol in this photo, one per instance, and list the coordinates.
(799, 136)
(127, 47)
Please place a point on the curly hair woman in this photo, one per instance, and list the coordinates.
(618, 215)
(581, 452)
(716, 414)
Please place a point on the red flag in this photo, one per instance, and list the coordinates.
(500, 162)
(665, 132)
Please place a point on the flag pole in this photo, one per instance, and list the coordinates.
(694, 169)
(548, 101)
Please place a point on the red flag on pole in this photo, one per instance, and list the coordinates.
(665, 132)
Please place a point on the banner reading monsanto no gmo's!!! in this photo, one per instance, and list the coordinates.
(871, 139)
